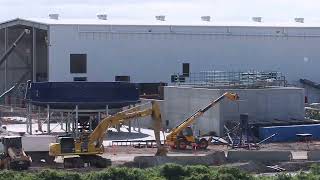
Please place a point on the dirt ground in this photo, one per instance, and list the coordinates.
(120, 155)
(294, 146)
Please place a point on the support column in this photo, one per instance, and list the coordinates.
(99, 117)
(29, 119)
(62, 119)
(73, 124)
(68, 123)
(39, 120)
(34, 54)
(129, 123)
(77, 121)
(48, 119)
(107, 110)
(90, 124)
(139, 127)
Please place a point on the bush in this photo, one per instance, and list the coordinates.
(233, 173)
(172, 171)
(167, 171)
(283, 177)
(57, 175)
(118, 174)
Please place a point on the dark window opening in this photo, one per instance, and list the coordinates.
(122, 78)
(78, 63)
(186, 69)
(80, 79)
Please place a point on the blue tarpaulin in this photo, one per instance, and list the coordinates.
(289, 133)
(87, 95)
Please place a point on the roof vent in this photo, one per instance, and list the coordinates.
(54, 16)
(206, 18)
(257, 19)
(161, 18)
(102, 16)
(299, 20)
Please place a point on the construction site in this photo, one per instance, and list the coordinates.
(69, 103)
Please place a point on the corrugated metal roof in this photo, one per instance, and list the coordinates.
(168, 22)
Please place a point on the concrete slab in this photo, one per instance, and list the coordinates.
(260, 156)
(215, 158)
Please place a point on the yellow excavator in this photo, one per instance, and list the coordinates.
(86, 148)
(182, 135)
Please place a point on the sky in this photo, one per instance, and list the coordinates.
(219, 10)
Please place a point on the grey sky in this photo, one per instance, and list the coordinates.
(220, 10)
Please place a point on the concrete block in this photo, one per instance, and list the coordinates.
(260, 156)
(215, 158)
(313, 155)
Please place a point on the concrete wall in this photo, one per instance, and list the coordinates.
(260, 104)
(153, 53)
(181, 103)
(268, 104)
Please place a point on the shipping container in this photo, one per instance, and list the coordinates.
(289, 133)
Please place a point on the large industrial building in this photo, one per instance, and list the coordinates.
(101, 49)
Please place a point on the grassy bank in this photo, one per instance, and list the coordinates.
(168, 171)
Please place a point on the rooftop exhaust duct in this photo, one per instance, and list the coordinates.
(206, 18)
(54, 16)
(299, 20)
(257, 19)
(161, 18)
(102, 16)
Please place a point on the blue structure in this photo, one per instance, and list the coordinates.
(87, 95)
(289, 133)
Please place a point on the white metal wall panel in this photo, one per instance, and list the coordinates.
(256, 30)
(303, 31)
(153, 57)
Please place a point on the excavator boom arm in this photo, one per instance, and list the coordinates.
(190, 120)
(121, 117)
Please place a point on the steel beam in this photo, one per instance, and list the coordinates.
(34, 54)
(77, 121)
(5, 63)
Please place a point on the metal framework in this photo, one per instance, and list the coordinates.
(222, 79)
(25, 57)
(68, 119)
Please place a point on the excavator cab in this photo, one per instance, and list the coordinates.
(12, 142)
(67, 144)
(188, 135)
(187, 132)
